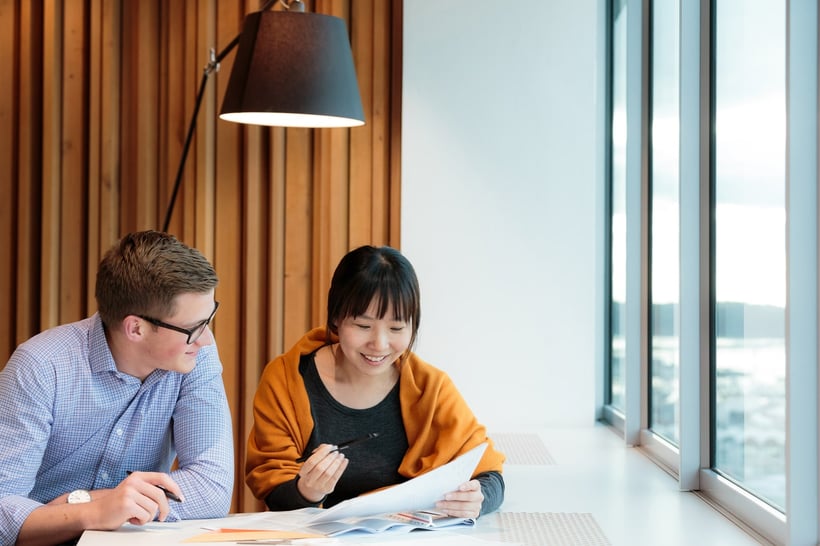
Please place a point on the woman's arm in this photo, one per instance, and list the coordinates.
(481, 495)
(492, 486)
(286, 496)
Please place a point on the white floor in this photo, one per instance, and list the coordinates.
(632, 500)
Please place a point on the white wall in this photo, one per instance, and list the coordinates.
(500, 203)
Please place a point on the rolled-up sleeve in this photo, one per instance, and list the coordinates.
(24, 403)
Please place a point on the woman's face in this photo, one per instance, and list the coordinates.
(371, 345)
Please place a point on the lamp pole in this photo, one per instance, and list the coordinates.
(212, 66)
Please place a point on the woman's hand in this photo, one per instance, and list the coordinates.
(321, 472)
(465, 502)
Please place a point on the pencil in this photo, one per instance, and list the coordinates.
(343, 445)
(168, 494)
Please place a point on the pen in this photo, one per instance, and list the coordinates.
(343, 445)
(168, 494)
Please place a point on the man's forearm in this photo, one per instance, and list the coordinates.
(55, 523)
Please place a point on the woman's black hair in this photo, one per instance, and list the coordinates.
(380, 274)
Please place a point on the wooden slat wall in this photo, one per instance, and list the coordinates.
(9, 42)
(91, 132)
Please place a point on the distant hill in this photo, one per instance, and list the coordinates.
(733, 320)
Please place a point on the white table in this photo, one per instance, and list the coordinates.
(518, 520)
(486, 533)
(594, 487)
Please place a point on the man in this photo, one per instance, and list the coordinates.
(93, 414)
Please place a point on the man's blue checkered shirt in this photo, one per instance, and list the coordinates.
(69, 420)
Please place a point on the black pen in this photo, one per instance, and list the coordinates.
(168, 494)
(343, 445)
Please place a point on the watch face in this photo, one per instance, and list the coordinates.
(79, 496)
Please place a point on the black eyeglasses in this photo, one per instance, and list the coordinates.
(193, 334)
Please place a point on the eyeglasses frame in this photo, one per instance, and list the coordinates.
(201, 326)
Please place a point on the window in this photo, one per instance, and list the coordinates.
(749, 246)
(718, 319)
(664, 221)
(617, 199)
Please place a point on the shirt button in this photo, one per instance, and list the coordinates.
(119, 432)
(104, 475)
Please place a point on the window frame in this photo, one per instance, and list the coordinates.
(690, 462)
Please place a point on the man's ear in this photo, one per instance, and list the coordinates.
(133, 327)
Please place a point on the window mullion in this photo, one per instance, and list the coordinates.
(694, 75)
(802, 298)
(636, 206)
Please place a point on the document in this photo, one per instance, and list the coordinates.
(420, 493)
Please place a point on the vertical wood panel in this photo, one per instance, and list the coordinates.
(95, 155)
(127, 140)
(110, 129)
(103, 149)
(147, 115)
(95, 116)
(29, 176)
(378, 144)
(180, 85)
(9, 20)
(139, 135)
(331, 211)
(276, 273)
(393, 214)
(171, 102)
(73, 194)
(254, 294)
(201, 219)
(52, 156)
(362, 183)
(298, 314)
(273, 286)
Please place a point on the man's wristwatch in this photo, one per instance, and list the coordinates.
(79, 496)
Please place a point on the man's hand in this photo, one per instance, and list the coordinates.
(141, 497)
(138, 499)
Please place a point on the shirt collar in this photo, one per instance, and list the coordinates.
(99, 353)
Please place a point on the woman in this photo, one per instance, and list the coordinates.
(357, 378)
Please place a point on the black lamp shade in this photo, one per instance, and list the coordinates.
(293, 69)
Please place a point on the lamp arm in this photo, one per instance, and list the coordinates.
(213, 65)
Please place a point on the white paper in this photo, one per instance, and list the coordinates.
(420, 493)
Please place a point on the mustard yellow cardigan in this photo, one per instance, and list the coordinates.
(439, 424)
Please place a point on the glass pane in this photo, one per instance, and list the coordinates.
(664, 226)
(617, 371)
(749, 246)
